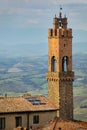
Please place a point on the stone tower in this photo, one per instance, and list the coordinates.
(60, 75)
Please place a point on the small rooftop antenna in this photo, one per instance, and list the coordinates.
(60, 8)
(55, 15)
(60, 14)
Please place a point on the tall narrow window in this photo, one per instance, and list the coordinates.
(36, 119)
(53, 64)
(51, 33)
(18, 121)
(65, 63)
(55, 32)
(2, 123)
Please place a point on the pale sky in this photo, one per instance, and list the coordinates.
(27, 21)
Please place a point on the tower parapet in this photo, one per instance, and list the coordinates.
(60, 33)
(60, 27)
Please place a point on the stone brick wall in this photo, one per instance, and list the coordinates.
(66, 100)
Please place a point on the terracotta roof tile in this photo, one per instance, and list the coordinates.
(58, 124)
(20, 104)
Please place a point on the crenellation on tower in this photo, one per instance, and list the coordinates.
(60, 33)
(60, 75)
(55, 23)
(50, 33)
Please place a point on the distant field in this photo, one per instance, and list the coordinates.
(27, 74)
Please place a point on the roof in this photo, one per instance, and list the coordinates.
(21, 104)
(59, 124)
(70, 125)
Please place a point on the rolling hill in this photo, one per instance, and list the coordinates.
(27, 74)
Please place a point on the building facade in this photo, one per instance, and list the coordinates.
(26, 112)
(60, 75)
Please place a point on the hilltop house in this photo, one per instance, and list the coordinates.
(26, 112)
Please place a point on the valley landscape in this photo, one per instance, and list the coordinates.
(28, 75)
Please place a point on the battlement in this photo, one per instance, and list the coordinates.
(67, 75)
(60, 75)
(60, 33)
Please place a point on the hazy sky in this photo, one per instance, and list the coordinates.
(25, 22)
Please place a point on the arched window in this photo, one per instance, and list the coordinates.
(53, 64)
(65, 63)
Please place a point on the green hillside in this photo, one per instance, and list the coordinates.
(20, 75)
(27, 74)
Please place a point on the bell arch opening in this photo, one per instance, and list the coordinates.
(53, 64)
(65, 63)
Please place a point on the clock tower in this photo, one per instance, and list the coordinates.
(60, 75)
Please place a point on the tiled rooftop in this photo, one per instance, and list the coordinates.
(21, 104)
(58, 124)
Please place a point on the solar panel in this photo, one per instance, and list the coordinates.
(35, 101)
